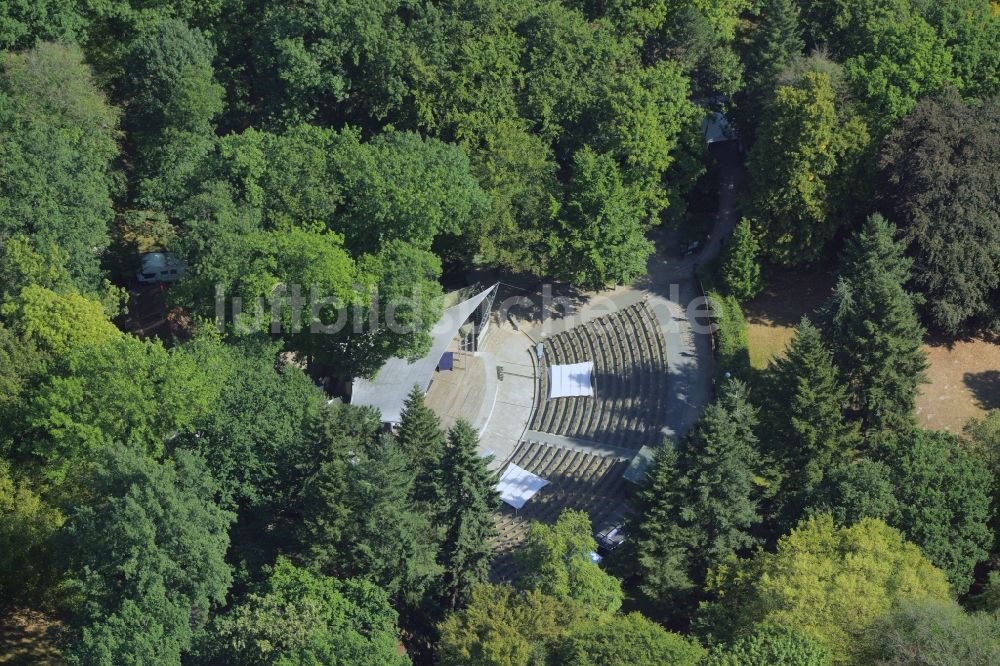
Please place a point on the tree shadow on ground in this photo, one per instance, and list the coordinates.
(788, 296)
(985, 387)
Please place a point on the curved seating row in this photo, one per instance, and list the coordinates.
(630, 381)
(577, 480)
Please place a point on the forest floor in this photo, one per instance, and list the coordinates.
(964, 375)
(28, 638)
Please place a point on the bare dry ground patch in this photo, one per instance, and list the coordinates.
(29, 638)
(964, 382)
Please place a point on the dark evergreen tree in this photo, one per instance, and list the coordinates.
(807, 429)
(859, 489)
(876, 251)
(386, 541)
(735, 399)
(944, 500)
(466, 514)
(774, 40)
(326, 513)
(342, 433)
(872, 325)
(421, 437)
(718, 461)
(657, 542)
(700, 504)
(740, 268)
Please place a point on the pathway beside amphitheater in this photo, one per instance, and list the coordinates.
(654, 371)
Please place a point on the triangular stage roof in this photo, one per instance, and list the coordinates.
(396, 378)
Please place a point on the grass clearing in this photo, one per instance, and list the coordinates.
(772, 316)
(964, 375)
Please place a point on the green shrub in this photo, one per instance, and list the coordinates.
(732, 346)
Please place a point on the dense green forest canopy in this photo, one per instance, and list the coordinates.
(199, 499)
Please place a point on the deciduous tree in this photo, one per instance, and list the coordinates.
(58, 322)
(27, 526)
(771, 644)
(556, 560)
(935, 632)
(602, 229)
(806, 149)
(856, 490)
(627, 640)
(501, 626)
(173, 99)
(149, 553)
(126, 390)
(297, 617)
(58, 136)
(25, 22)
(830, 583)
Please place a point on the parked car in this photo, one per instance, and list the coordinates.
(610, 539)
(160, 267)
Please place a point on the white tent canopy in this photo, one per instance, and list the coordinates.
(571, 380)
(396, 378)
(517, 485)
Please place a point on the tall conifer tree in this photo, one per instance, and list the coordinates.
(388, 541)
(873, 326)
(421, 437)
(466, 514)
(657, 541)
(809, 432)
(701, 503)
(719, 461)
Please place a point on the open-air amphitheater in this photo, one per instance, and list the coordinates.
(602, 434)
(570, 402)
(552, 451)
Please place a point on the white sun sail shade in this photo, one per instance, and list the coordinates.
(517, 485)
(571, 380)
